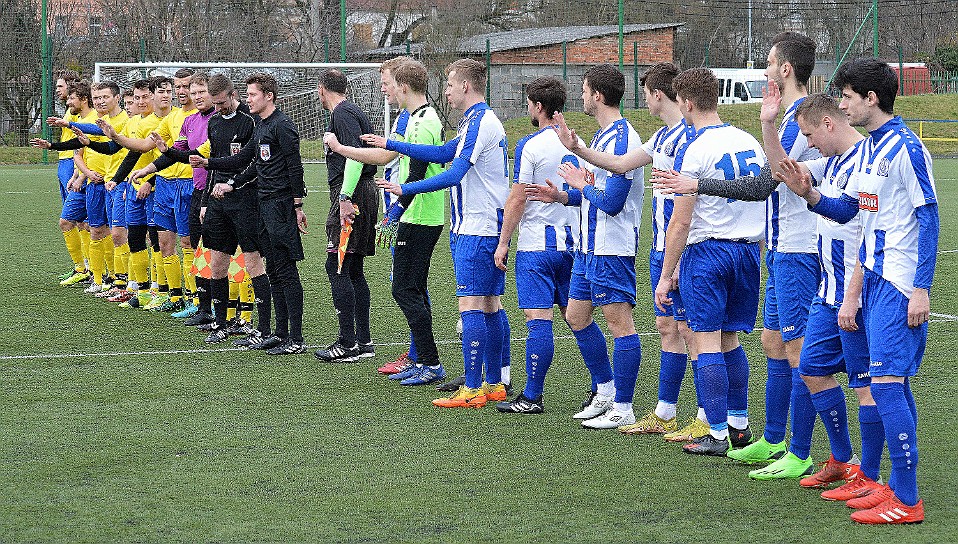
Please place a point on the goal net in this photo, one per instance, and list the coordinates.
(297, 91)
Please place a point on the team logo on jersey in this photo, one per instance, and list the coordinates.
(884, 166)
(843, 180)
(670, 149)
(868, 202)
(235, 148)
(264, 152)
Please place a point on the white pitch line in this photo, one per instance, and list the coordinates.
(948, 251)
(945, 317)
(223, 350)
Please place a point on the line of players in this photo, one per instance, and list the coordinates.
(577, 246)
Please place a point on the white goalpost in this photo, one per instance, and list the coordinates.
(297, 90)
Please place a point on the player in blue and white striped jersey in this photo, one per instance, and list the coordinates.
(480, 180)
(603, 273)
(893, 192)
(659, 151)
(717, 240)
(547, 236)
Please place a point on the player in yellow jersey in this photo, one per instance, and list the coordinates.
(80, 107)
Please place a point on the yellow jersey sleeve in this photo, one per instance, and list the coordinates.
(67, 134)
(144, 126)
(204, 149)
(169, 129)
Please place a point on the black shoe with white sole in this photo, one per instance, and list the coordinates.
(338, 353)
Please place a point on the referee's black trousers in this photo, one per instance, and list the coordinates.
(414, 247)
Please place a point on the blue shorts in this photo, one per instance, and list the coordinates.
(74, 207)
(116, 204)
(476, 271)
(895, 348)
(603, 279)
(792, 283)
(171, 207)
(542, 278)
(138, 212)
(720, 279)
(676, 310)
(827, 349)
(64, 173)
(96, 205)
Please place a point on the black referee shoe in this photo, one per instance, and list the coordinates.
(521, 405)
(265, 342)
(288, 347)
(199, 318)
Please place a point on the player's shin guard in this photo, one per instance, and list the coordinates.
(140, 268)
(189, 280)
(506, 346)
(474, 336)
(247, 299)
(830, 405)
(671, 373)
(108, 254)
(902, 442)
(778, 394)
(121, 259)
(96, 261)
(540, 350)
(492, 356)
(219, 297)
(71, 239)
(232, 304)
(174, 276)
(713, 375)
(85, 244)
(803, 417)
(627, 357)
(873, 440)
(736, 364)
(595, 353)
(261, 288)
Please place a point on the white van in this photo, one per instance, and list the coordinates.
(739, 85)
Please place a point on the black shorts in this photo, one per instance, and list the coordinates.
(279, 235)
(363, 239)
(231, 221)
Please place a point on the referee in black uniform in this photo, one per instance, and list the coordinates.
(277, 169)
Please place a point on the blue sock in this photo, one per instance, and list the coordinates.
(671, 373)
(778, 393)
(412, 349)
(595, 353)
(694, 363)
(910, 399)
(493, 348)
(473, 346)
(540, 349)
(736, 363)
(900, 435)
(714, 387)
(506, 338)
(873, 440)
(627, 355)
(803, 417)
(830, 405)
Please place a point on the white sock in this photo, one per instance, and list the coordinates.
(701, 415)
(132, 286)
(622, 407)
(738, 422)
(719, 435)
(606, 389)
(665, 410)
(506, 375)
(155, 285)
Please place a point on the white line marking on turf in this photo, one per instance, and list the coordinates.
(948, 251)
(225, 349)
(945, 317)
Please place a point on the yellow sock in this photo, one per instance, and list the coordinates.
(96, 260)
(74, 247)
(174, 276)
(121, 260)
(159, 270)
(234, 300)
(189, 280)
(140, 269)
(108, 253)
(246, 299)
(85, 244)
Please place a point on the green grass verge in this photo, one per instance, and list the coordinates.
(127, 427)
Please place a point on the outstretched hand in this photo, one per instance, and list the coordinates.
(576, 176)
(374, 140)
(81, 136)
(791, 174)
(393, 188)
(771, 102)
(670, 181)
(567, 135)
(547, 193)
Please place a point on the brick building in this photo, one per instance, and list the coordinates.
(519, 56)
